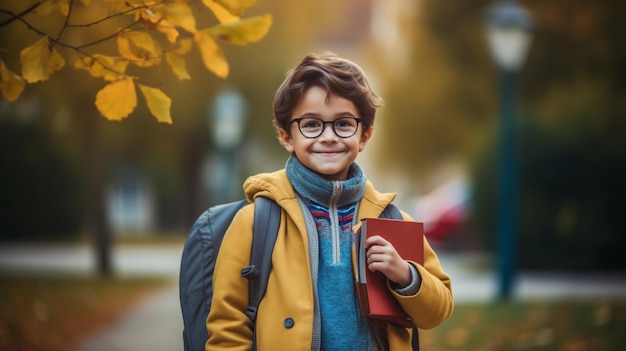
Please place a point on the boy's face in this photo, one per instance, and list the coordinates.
(328, 154)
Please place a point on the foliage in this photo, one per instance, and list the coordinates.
(570, 191)
(533, 326)
(41, 192)
(59, 313)
(151, 33)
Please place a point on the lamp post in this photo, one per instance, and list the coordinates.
(508, 29)
(228, 114)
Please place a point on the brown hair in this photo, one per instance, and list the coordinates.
(338, 76)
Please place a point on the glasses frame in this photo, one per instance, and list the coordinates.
(324, 123)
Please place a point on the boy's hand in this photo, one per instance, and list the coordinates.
(383, 257)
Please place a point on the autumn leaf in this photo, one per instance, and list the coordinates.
(140, 48)
(63, 6)
(212, 56)
(179, 14)
(244, 31)
(11, 84)
(117, 100)
(40, 61)
(222, 14)
(107, 67)
(184, 46)
(177, 63)
(168, 17)
(236, 7)
(158, 103)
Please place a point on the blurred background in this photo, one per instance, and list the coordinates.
(69, 175)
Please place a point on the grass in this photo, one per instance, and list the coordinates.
(548, 325)
(59, 313)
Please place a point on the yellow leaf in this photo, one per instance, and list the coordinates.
(107, 67)
(244, 31)
(178, 65)
(212, 56)
(153, 14)
(117, 100)
(63, 6)
(154, 17)
(140, 48)
(222, 15)
(158, 103)
(184, 46)
(40, 61)
(236, 7)
(180, 15)
(170, 32)
(11, 84)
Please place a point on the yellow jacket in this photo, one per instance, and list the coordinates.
(285, 315)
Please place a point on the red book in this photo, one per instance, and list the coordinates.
(375, 298)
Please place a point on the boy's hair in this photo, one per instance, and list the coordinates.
(338, 76)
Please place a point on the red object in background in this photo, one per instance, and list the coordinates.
(446, 225)
(444, 211)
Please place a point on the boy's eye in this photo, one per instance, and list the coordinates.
(345, 122)
(311, 123)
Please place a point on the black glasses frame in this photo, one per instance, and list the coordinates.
(332, 123)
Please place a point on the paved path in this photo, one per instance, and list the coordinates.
(153, 325)
(156, 323)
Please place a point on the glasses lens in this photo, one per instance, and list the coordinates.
(346, 127)
(311, 127)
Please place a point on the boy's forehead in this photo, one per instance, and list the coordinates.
(318, 100)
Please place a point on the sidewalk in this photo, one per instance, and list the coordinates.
(156, 323)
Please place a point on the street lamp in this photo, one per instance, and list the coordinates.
(508, 28)
(227, 121)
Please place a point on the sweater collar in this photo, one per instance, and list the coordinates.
(310, 185)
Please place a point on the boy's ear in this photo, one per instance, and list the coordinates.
(285, 139)
(365, 137)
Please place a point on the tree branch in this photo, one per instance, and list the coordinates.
(19, 15)
(67, 19)
(105, 38)
(108, 17)
(19, 18)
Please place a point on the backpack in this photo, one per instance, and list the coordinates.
(200, 253)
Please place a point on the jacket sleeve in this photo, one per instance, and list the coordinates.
(433, 303)
(227, 324)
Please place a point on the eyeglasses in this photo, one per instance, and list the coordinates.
(313, 127)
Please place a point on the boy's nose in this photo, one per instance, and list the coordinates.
(328, 132)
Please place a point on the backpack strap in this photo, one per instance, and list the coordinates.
(392, 212)
(265, 231)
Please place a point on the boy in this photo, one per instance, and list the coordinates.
(324, 114)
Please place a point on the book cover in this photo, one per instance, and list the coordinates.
(376, 301)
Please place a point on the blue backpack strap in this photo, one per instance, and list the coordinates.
(392, 212)
(265, 232)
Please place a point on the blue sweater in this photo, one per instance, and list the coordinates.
(333, 209)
